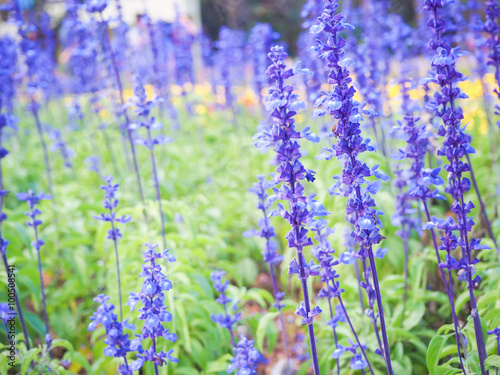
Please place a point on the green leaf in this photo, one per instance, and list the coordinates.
(493, 361)
(434, 353)
(28, 358)
(262, 329)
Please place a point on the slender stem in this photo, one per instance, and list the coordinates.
(354, 333)
(387, 352)
(117, 271)
(282, 319)
(125, 115)
(310, 327)
(233, 341)
(405, 272)
(455, 318)
(42, 287)
(18, 306)
(157, 187)
(483, 207)
(436, 249)
(337, 363)
(39, 127)
(154, 349)
(358, 279)
(371, 302)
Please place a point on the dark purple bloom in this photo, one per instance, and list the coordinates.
(456, 145)
(282, 103)
(353, 183)
(492, 27)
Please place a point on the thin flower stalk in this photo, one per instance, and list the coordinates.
(153, 312)
(118, 343)
(270, 254)
(456, 144)
(347, 113)
(114, 64)
(33, 200)
(225, 320)
(110, 203)
(282, 103)
(323, 252)
(144, 120)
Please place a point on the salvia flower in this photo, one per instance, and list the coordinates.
(339, 103)
(118, 342)
(110, 203)
(153, 312)
(225, 320)
(282, 103)
(34, 222)
(246, 358)
(456, 145)
(323, 251)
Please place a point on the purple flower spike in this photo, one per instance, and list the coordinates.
(33, 200)
(110, 203)
(347, 114)
(118, 342)
(283, 104)
(225, 320)
(153, 312)
(456, 145)
(246, 358)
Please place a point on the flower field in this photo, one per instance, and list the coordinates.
(174, 204)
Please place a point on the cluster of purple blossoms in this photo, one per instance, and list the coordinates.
(456, 145)
(331, 289)
(225, 320)
(414, 181)
(358, 362)
(118, 342)
(282, 103)
(110, 203)
(33, 200)
(246, 358)
(153, 312)
(339, 103)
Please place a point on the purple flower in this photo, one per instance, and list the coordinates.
(455, 145)
(153, 312)
(118, 342)
(282, 104)
(33, 200)
(225, 320)
(246, 358)
(347, 114)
